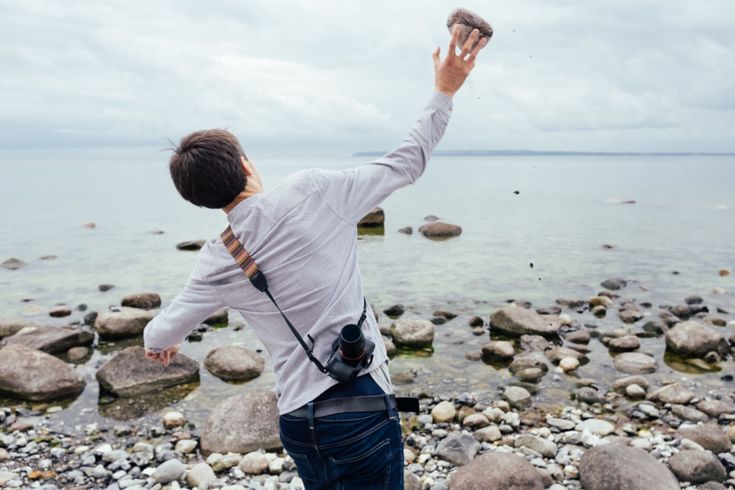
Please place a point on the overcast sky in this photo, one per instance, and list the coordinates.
(343, 76)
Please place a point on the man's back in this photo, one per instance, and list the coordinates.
(302, 234)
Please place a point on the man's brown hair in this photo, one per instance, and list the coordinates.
(206, 168)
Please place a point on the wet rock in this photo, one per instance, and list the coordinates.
(618, 467)
(90, 318)
(693, 300)
(406, 230)
(390, 347)
(530, 375)
(515, 320)
(51, 339)
(105, 287)
(219, 317)
(635, 363)
(697, 466)
(78, 354)
(655, 327)
(125, 322)
(145, 301)
(498, 349)
(12, 264)
(614, 284)
(59, 311)
(587, 394)
(129, 374)
(376, 217)
(635, 392)
(710, 437)
(549, 310)
(11, 327)
(31, 374)
(439, 229)
(603, 301)
(534, 343)
(557, 353)
(692, 338)
(517, 397)
(458, 448)
(414, 334)
(630, 316)
(581, 336)
(624, 344)
(672, 393)
(234, 363)
(476, 321)
(497, 470)
(242, 423)
(568, 364)
(431, 218)
(191, 245)
(394, 311)
(526, 361)
(621, 384)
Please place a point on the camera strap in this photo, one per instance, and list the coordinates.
(257, 278)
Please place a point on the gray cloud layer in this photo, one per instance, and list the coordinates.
(349, 75)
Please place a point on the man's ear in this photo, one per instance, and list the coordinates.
(245, 167)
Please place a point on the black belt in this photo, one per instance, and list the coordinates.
(372, 403)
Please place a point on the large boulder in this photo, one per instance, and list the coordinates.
(122, 322)
(234, 363)
(415, 334)
(696, 466)
(376, 217)
(51, 339)
(242, 423)
(635, 363)
(438, 229)
(130, 374)
(11, 327)
(692, 338)
(31, 374)
(516, 320)
(620, 467)
(145, 301)
(497, 470)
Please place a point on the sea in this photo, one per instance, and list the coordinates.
(535, 228)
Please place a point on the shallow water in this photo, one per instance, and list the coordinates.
(566, 209)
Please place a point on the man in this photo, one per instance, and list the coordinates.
(302, 235)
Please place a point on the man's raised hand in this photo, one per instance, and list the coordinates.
(451, 73)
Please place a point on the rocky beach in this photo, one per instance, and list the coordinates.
(641, 425)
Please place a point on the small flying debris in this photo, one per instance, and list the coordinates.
(516, 192)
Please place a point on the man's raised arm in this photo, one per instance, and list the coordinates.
(352, 193)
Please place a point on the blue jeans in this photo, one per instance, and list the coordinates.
(352, 450)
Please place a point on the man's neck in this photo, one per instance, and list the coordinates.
(240, 198)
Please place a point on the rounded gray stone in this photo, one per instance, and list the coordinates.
(619, 467)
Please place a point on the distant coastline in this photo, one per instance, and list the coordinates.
(543, 153)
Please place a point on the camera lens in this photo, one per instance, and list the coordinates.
(351, 344)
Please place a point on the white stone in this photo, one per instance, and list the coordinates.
(173, 419)
(568, 364)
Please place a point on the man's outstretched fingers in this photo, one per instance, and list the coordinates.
(467, 48)
(453, 41)
(480, 45)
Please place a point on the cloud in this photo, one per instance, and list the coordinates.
(347, 76)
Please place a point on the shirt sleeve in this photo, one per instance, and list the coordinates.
(353, 192)
(186, 311)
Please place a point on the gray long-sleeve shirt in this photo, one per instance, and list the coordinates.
(302, 235)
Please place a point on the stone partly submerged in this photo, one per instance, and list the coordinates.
(130, 374)
(516, 320)
(467, 21)
(241, 424)
(374, 218)
(145, 301)
(11, 327)
(122, 322)
(440, 230)
(191, 245)
(51, 339)
(692, 338)
(31, 374)
(415, 334)
(635, 363)
(497, 470)
(234, 363)
(620, 467)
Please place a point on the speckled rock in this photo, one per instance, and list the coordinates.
(619, 467)
(495, 470)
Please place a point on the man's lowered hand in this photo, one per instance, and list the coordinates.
(165, 356)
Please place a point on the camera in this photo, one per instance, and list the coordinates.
(351, 352)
